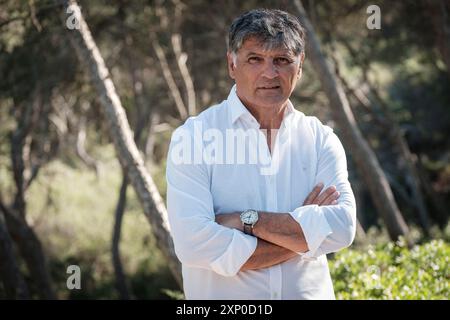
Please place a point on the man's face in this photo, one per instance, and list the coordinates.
(264, 78)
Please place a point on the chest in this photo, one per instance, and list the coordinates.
(277, 181)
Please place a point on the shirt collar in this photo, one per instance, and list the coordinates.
(238, 110)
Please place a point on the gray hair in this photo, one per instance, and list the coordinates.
(274, 28)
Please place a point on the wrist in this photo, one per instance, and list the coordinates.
(248, 219)
(257, 227)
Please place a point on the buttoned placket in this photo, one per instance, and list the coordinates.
(272, 206)
(271, 194)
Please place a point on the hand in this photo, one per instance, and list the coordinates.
(230, 220)
(326, 198)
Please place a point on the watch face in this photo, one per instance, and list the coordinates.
(249, 217)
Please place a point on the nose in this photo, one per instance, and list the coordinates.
(270, 70)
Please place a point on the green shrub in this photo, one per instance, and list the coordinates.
(392, 271)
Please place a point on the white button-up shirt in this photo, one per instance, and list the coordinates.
(206, 176)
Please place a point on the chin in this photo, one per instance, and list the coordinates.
(270, 102)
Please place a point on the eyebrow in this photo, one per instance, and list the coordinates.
(251, 53)
(290, 55)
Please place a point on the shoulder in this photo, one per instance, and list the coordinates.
(322, 136)
(317, 125)
(313, 124)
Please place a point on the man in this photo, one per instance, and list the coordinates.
(259, 229)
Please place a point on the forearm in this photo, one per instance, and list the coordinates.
(282, 230)
(266, 255)
(277, 228)
(280, 236)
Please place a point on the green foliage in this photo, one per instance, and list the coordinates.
(392, 271)
(174, 294)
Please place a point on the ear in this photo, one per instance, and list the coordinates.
(231, 66)
(300, 68)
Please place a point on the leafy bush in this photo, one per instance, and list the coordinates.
(392, 271)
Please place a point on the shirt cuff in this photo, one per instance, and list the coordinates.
(315, 228)
(237, 253)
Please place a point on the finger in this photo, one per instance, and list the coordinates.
(330, 199)
(328, 191)
(314, 193)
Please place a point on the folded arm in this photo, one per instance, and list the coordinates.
(198, 240)
(313, 229)
(279, 236)
(203, 240)
(266, 255)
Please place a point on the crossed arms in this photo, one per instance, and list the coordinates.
(204, 240)
(280, 237)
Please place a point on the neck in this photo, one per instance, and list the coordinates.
(268, 118)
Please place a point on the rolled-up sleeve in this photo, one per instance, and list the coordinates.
(331, 228)
(199, 241)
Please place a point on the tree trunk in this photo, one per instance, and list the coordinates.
(13, 282)
(141, 120)
(29, 244)
(32, 252)
(174, 91)
(122, 137)
(181, 58)
(364, 157)
(121, 282)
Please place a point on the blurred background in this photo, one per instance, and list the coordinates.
(65, 200)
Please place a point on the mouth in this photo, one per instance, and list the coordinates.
(269, 87)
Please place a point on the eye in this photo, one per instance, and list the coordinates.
(254, 59)
(282, 60)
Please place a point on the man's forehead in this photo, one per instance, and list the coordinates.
(255, 45)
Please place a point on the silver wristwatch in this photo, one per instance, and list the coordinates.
(249, 218)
